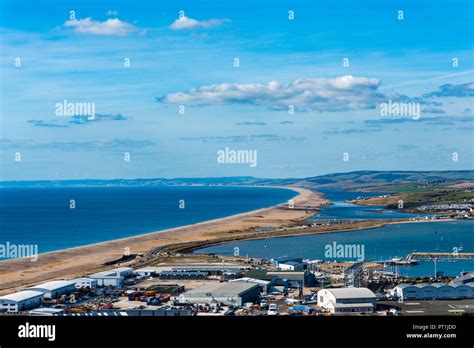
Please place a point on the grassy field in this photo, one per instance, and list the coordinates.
(413, 197)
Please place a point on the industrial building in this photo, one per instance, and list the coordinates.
(231, 294)
(434, 291)
(265, 284)
(55, 288)
(107, 279)
(122, 271)
(113, 277)
(84, 283)
(230, 271)
(464, 278)
(183, 275)
(347, 300)
(291, 266)
(301, 278)
(146, 271)
(354, 275)
(20, 301)
(46, 312)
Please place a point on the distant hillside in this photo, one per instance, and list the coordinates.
(389, 180)
(360, 180)
(132, 182)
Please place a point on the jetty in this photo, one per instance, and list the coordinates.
(423, 256)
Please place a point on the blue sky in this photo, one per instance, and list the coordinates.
(190, 62)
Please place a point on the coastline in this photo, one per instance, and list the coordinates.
(19, 273)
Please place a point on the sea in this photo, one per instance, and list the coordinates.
(57, 218)
(380, 244)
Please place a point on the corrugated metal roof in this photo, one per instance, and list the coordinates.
(341, 293)
(434, 285)
(147, 269)
(439, 285)
(350, 305)
(403, 286)
(461, 279)
(471, 285)
(22, 295)
(252, 280)
(291, 263)
(122, 269)
(46, 310)
(111, 272)
(83, 279)
(222, 289)
(53, 285)
(423, 285)
(207, 269)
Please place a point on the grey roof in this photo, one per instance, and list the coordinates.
(222, 289)
(82, 279)
(22, 295)
(111, 272)
(350, 305)
(182, 273)
(466, 278)
(147, 269)
(471, 285)
(289, 275)
(434, 285)
(53, 285)
(123, 269)
(252, 280)
(291, 263)
(340, 293)
(206, 269)
(439, 285)
(105, 274)
(423, 285)
(287, 272)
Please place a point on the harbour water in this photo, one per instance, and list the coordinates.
(397, 240)
(339, 209)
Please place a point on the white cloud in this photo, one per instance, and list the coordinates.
(112, 26)
(323, 94)
(450, 90)
(190, 23)
(111, 13)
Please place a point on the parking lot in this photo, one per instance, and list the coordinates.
(447, 307)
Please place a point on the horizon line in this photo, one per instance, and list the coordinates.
(243, 176)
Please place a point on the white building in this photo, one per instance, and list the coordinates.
(291, 266)
(435, 291)
(347, 300)
(265, 284)
(20, 301)
(55, 288)
(107, 279)
(113, 277)
(147, 271)
(45, 312)
(84, 283)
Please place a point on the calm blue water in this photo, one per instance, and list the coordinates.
(42, 215)
(379, 244)
(341, 210)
